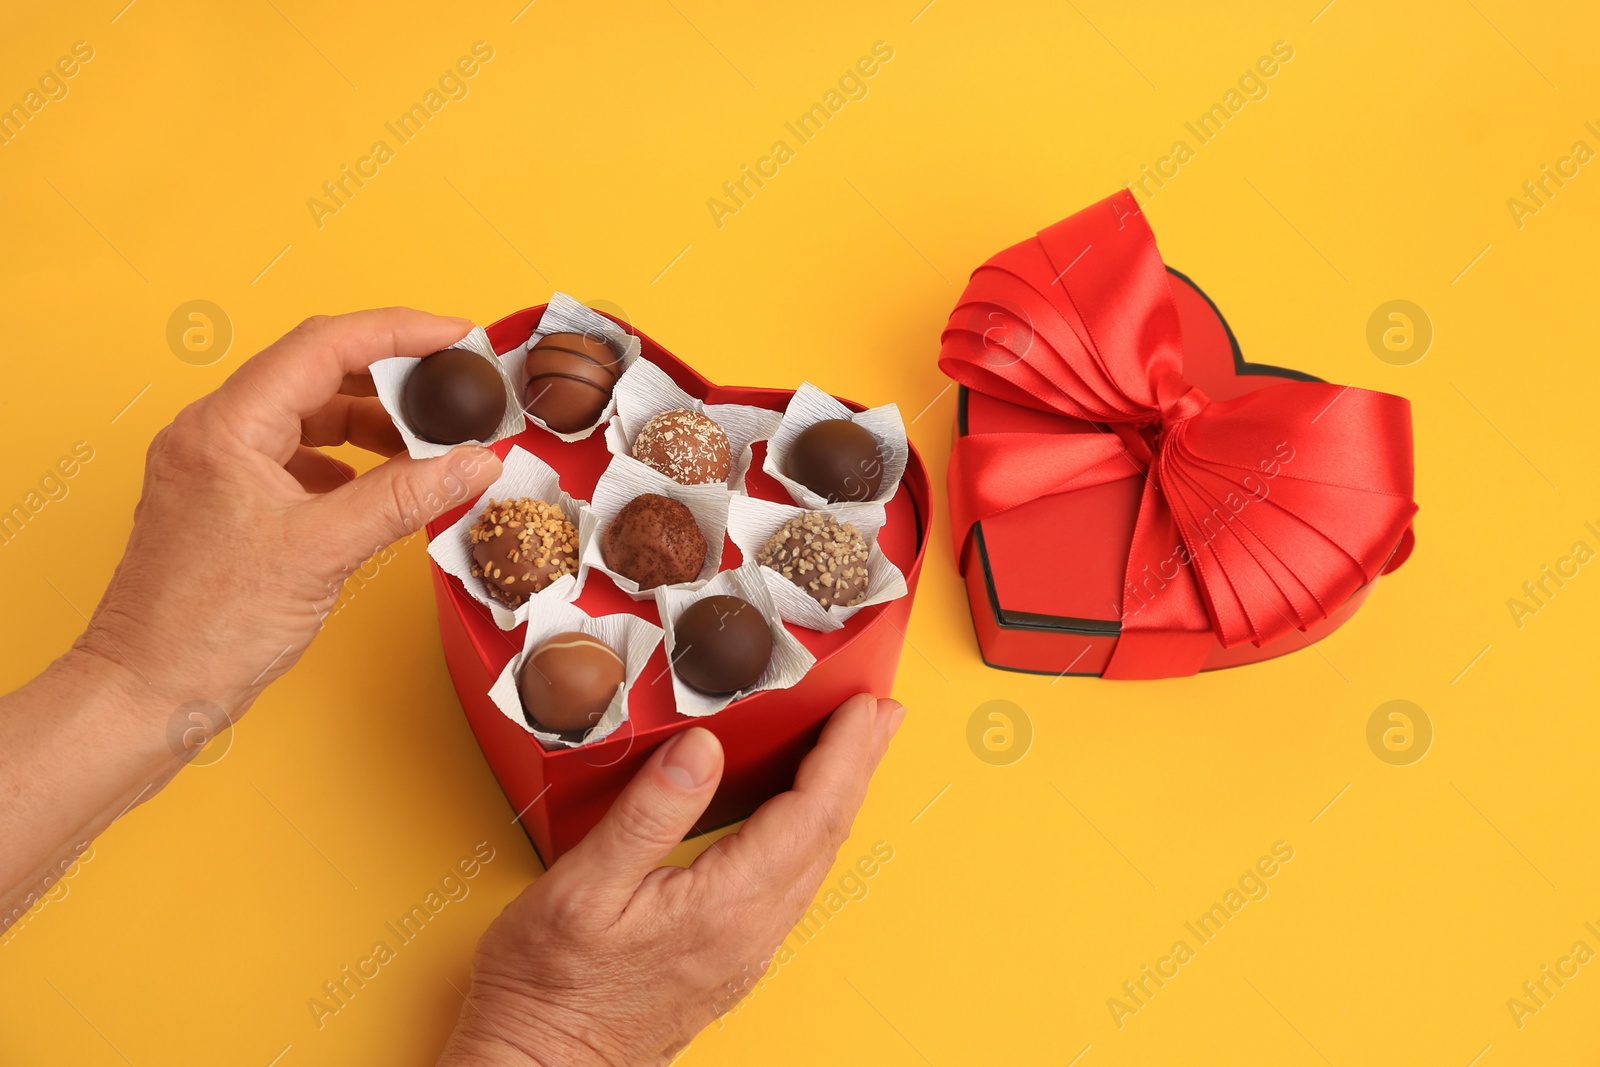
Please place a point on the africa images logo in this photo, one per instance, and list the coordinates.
(1252, 885)
(737, 192)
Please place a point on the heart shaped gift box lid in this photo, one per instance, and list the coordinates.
(559, 794)
(1048, 578)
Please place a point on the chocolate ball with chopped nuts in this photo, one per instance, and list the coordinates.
(686, 446)
(825, 557)
(520, 546)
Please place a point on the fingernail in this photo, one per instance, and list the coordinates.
(896, 712)
(458, 318)
(691, 758)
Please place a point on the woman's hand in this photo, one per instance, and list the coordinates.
(610, 960)
(241, 541)
(246, 530)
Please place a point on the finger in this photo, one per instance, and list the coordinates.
(651, 817)
(265, 399)
(360, 421)
(890, 714)
(396, 498)
(358, 384)
(793, 832)
(318, 472)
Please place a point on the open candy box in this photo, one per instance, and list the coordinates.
(560, 792)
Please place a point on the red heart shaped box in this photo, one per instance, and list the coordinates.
(560, 794)
(1045, 580)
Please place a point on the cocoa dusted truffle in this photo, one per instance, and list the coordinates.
(569, 378)
(520, 546)
(825, 557)
(454, 396)
(686, 446)
(837, 460)
(567, 682)
(655, 541)
(721, 644)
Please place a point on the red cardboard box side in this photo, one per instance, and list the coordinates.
(560, 794)
(1062, 615)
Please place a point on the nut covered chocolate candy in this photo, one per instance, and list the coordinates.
(520, 546)
(838, 460)
(823, 556)
(569, 378)
(567, 682)
(454, 396)
(721, 644)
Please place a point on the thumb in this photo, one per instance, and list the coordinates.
(399, 497)
(651, 817)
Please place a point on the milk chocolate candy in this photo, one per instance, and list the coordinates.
(567, 682)
(569, 378)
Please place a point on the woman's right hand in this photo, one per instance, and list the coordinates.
(611, 960)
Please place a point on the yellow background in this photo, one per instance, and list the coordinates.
(1378, 167)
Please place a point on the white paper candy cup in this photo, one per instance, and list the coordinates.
(629, 636)
(811, 405)
(626, 479)
(790, 659)
(522, 475)
(751, 523)
(565, 315)
(389, 376)
(646, 391)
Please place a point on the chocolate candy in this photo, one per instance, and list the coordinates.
(825, 557)
(453, 396)
(520, 546)
(567, 682)
(837, 460)
(721, 644)
(569, 378)
(686, 446)
(655, 541)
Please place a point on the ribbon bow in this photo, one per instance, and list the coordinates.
(1080, 322)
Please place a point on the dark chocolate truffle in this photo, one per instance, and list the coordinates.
(569, 379)
(721, 644)
(686, 446)
(837, 460)
(825, 557)
(655, 541)
(567, 682)
(520, 546)
(453, 396)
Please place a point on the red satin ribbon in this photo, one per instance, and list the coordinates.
(1079, 321)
